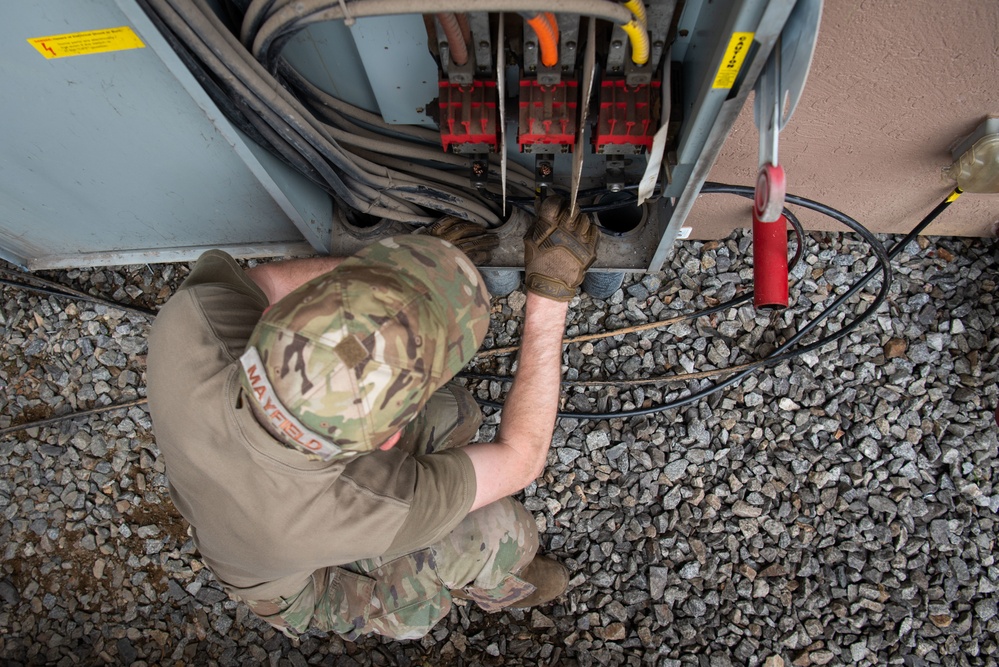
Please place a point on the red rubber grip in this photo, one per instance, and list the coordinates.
(770, 263)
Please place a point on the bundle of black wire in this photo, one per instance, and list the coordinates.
(786, 350)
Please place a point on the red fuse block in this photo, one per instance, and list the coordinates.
(547, 117)
(628, 117)
(468, 117)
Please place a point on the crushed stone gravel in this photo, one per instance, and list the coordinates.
(839, 508)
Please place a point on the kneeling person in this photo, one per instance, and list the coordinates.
(313, 440)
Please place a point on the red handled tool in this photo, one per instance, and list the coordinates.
(769, 225)
(769, 262)
(778, 90)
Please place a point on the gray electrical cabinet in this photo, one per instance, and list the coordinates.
(119, 156)
(113, 153)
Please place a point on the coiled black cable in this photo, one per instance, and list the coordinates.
(54, 289)
(784, 352)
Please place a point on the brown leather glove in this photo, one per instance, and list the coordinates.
(558, 250)
(474, 240)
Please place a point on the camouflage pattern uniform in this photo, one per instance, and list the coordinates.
(320, 340)
(354, 354)
(405, 596)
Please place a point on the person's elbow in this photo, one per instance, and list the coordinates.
(538, 467)
(503, 469)
(532, 459)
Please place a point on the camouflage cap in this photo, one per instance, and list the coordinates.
(350, 357)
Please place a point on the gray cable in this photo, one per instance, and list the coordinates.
(289, 16)
(372, 185)
(379, 178)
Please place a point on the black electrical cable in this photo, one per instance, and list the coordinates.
(527, 203)
(72, 415)
(232, 107)
(362, 185)
(705, 312)
(773, 358)
(780, 353)
(61, 293)
(221, 99)
(253, 17)
(252, 102)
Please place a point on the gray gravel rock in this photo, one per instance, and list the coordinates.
(835, 509)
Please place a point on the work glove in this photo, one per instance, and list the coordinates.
(474, 240)
(558, 249)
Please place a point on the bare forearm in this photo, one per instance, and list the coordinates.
(529, 412)
(518, 455)
(558, 249)
(278, 279)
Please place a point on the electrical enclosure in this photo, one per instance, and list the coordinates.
(124, 156)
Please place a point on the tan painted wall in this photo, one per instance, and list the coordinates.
(893, 86)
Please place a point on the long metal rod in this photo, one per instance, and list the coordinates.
(589, 70)
(501, 102)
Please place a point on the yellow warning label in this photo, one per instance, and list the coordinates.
(735, 54)
(84, 43)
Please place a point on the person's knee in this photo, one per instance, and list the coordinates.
(517, 544)
(490, 543)
(464, 419)
(512, 523)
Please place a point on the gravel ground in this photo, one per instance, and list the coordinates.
(839, 508)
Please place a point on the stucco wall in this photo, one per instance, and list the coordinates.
(893, 86)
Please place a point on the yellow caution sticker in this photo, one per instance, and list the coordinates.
(735, 55)
(85, 43)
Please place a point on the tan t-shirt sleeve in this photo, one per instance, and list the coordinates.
(436, 491)
(218, 267)
(445, 491)
(202, 328)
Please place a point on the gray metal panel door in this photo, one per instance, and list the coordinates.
(119, 156)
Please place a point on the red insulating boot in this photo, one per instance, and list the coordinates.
(770, 263)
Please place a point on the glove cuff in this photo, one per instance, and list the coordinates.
(549, 287)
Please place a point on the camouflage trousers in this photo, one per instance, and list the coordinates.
(403, 597)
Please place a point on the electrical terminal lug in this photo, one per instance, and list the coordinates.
(615, 177)
(544, 171)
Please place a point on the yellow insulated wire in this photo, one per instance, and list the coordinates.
(637, 8)
(639, 39)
